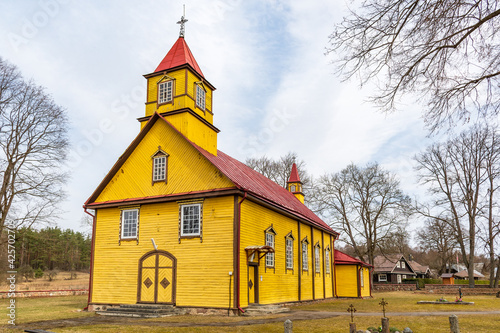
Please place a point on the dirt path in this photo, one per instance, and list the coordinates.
(293, 315)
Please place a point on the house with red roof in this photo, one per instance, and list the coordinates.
(352, 276)
(178, 222)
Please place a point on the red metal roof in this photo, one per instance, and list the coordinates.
(179, 55)
(294, 175)
(344, 259)
(252, 181)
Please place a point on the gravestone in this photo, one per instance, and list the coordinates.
(385, 325)
(454, 324)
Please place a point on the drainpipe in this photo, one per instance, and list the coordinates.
(359, 279)
(371, 280)
(238, 256)
(91, 256)
(335, 268)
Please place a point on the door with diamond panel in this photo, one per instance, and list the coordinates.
(157, 273)
(253, 284)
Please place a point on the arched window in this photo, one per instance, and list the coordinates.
(160, 159)
(305, 255)
(270, 235)
(289, 250)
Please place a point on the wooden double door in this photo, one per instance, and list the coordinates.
(157, 278)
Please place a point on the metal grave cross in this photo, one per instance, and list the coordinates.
(383, 303)
(351, 309)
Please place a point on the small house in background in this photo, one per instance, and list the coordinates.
(422, 271)
(352, 276)
(460, 271)
(464, 275)
(392, 269)
(448, 278)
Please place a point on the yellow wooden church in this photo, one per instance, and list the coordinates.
(179, 222)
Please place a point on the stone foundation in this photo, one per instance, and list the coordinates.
(179, 310)
(449, 289)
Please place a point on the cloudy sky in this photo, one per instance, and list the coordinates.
(276, 88)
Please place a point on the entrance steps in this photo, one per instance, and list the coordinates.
(264, 309)
(140, 311)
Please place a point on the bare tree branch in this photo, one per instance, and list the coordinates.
(444, 52)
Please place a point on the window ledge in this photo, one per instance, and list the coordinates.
(191, 236)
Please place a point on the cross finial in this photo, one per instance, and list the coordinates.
(182, 21)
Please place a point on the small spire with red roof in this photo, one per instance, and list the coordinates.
(294, 184)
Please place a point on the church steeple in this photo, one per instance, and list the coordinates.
(179, 55)
(294, 184)
(178, 90)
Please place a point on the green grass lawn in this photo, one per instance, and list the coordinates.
(46, 308)
(38, 309)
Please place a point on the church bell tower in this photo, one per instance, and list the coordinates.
(178, 91)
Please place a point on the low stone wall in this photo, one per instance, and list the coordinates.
(453, 289)
(43, 293)
(394, 287)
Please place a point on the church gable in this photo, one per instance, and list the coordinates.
(161, 162)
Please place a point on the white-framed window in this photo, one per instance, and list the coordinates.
(165, 92)
(200, 97)
(159, 168)
(305, 264)
(270, 255)
(317, 266)
(190, 219)
(403, 264)
(404, 277)
(399, 278)
(289, 253)
(382, 278)
(361, 277)
(327, 261)
(130, 222)
(398, 264)
(292, 188)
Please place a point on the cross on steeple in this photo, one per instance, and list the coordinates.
(181, 22)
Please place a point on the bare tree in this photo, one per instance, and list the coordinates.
(457, 175)
(366, 203)
(279, 170)
(438, 235)
(445, 52)
(491, 213)
(396, 242)
(33, 144)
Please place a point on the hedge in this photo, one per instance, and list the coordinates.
(422, 282)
